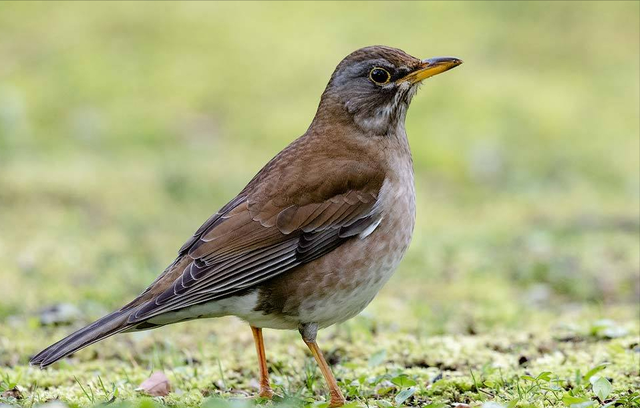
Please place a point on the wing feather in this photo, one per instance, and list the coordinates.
(276, 224)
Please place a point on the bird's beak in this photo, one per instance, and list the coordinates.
(430, 67)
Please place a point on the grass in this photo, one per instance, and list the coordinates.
(375, 368)
(123, 126)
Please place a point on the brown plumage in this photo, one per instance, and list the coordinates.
(314, 235)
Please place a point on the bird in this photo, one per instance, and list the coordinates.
(315, 234)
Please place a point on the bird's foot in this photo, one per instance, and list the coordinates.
(266, 392)
(337, 400)
(336, 403)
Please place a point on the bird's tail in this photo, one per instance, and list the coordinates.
(102, 328)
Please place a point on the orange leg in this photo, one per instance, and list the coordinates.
(265, 388)
(308, 336)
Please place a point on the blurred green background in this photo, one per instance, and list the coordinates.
(123, 126)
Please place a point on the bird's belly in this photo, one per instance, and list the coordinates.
(344, 300)
(332, 299)
(341, 284)
(346, 281)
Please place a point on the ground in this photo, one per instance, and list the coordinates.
(124, 126)
(376, 362)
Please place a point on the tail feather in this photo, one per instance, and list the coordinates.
(102, 328)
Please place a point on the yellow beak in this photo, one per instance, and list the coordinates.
(431, 67)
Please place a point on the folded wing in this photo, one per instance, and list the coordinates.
(249, 242)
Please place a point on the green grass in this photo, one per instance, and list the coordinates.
(124, 126)
(376, 366)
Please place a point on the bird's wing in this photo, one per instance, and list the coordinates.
(262, 234)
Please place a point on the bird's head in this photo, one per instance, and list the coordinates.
(374, 85)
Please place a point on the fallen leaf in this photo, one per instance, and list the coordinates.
(12, 393)
(157, 385)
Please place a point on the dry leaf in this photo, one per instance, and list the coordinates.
(157, 385)
(12, 393)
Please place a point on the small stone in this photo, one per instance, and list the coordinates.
(437, 377)
(60, 315)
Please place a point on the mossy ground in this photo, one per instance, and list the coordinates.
(124, 126)
(210, 362)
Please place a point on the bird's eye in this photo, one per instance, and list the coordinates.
(379, 76)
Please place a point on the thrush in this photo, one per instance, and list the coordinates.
(314, 235)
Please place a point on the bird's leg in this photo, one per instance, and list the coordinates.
(309, 332)
(265, 388)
